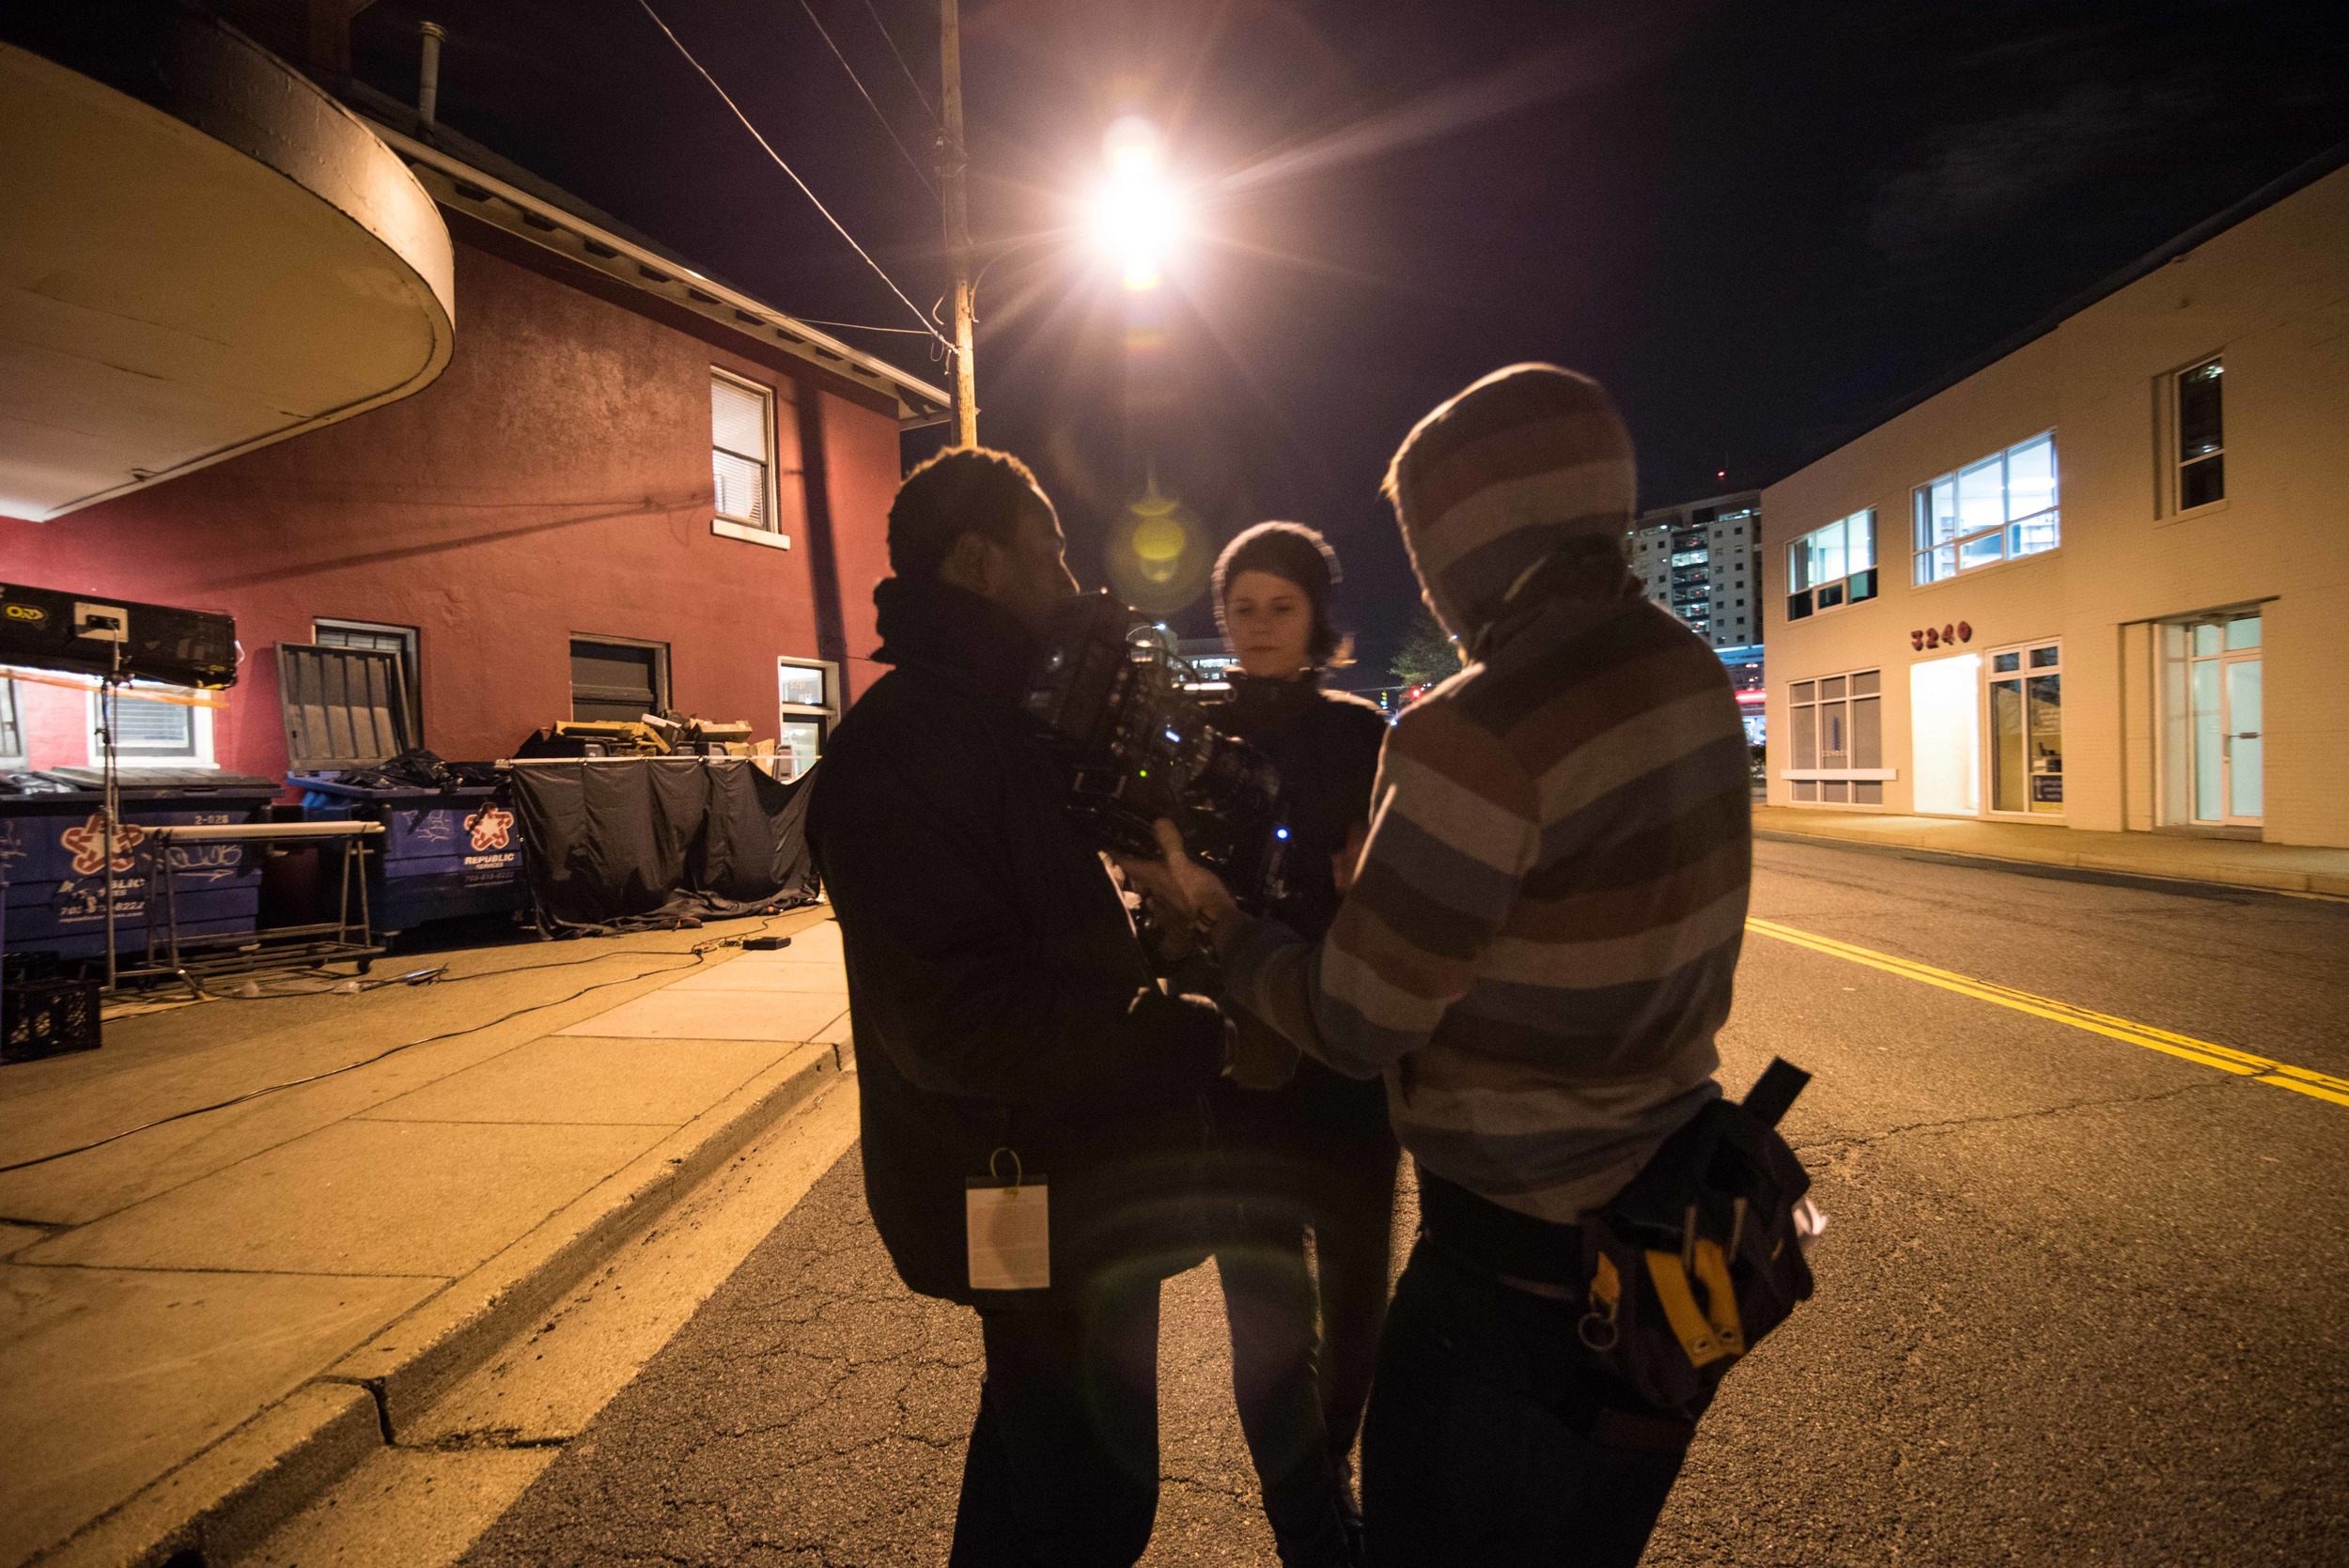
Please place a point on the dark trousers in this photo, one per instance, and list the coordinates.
(1305, 1337)
(1494, 1437)
(1063, 1470)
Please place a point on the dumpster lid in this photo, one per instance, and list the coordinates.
(345, 708)
(173, 781)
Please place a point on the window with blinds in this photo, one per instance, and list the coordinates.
(741, 456)
(148, 731)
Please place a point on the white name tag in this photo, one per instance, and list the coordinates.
(1011, 1235)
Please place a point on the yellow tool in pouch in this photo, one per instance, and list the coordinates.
(1709, 1332)
(1009, 1227)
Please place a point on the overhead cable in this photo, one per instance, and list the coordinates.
(786, 168)
(913, 81)
(864, 327)
(912, 162)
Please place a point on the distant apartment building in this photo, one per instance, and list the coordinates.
(2127, 557)
(1697, 561)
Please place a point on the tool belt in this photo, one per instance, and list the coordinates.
(1702, 1255)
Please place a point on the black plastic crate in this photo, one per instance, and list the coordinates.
(47, 1016)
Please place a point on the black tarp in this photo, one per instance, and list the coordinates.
(626, 843)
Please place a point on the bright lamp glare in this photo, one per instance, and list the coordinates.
(1135, 216)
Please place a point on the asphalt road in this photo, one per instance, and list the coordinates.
(2080, 1301)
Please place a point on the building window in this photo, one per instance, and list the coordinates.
(808, 690)
(399, 639)
(1837, 723)
(155, 726)
(615, 680)
(745, 462)
(2027, 730)
(1833, 565)
(2200, 437)
(2002, 508)
(12, 751)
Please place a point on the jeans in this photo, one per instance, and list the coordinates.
(1495, 1438)
(1063, 1470)
(1305, 1337)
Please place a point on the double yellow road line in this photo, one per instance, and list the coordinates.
(2260, 1069)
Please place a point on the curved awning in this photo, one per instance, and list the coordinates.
(223, 260)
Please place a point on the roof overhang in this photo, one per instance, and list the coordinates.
(224, 260)
(461, 188)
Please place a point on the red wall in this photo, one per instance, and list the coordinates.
(554, 480)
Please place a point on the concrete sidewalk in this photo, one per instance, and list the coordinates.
(203, 1324)
(2226, 862)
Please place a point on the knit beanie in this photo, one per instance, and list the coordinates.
(1297, 554)
(1494, 482)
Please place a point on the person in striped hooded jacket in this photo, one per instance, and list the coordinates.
(1536, 953)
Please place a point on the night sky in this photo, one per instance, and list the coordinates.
(1758, 225)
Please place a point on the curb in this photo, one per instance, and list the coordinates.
(225, 1501)
(2295, 884)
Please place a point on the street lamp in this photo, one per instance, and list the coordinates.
(1135, 216)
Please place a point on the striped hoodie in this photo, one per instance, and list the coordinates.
(1540, 942)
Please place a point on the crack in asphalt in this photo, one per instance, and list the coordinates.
(1865, 1141)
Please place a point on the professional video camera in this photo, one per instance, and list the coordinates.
(1139, 748)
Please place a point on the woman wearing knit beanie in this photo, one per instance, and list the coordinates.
(1305, 1146)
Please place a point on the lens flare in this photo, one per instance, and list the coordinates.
(1136, 216)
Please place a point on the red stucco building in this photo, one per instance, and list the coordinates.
(629, 482)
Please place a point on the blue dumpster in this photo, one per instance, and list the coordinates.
(53, 859)
(443, 853)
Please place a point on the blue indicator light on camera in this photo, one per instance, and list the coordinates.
(1280, 833)
(1172, 736)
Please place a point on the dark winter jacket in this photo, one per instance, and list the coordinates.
(1000, 997)
(1325, 746)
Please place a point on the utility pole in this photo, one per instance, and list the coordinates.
(952, 164)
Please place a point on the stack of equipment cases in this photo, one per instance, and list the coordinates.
(444, 853)
(53, 859)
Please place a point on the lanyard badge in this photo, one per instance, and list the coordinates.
(1009, 1225)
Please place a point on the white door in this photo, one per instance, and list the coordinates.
(1945, 734)
(2224, 682)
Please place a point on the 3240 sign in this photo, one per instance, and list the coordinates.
(1933, 636)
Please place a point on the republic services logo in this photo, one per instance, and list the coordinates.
(491, 826)
(88, 843)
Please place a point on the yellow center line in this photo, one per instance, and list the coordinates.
(2227, 1059)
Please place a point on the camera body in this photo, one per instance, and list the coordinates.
(1139, 748)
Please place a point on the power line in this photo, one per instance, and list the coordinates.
(865, 327)
(786, 168)
(911, 161)
(913, 81)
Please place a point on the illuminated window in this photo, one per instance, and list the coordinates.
(1999, 509)
(155, 726)
(809, 704)
(11, 729)
(756, 482)
(1833, 565)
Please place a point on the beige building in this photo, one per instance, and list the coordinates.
(2103, 580)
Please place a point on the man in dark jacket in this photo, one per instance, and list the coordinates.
(1013, 1048)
